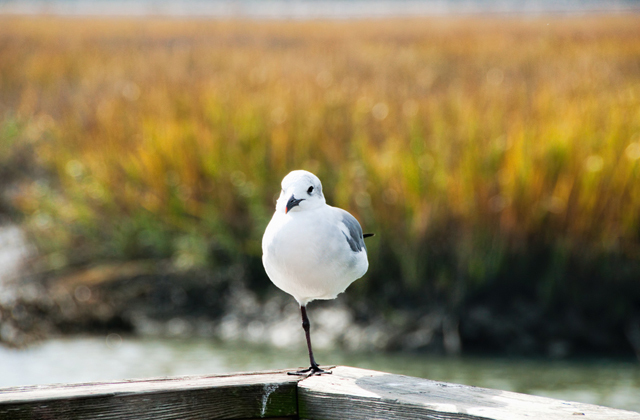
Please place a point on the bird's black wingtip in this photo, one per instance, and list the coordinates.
(367, 235)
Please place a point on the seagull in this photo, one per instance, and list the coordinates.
(312, 250)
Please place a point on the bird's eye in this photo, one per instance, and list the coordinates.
(310, 190)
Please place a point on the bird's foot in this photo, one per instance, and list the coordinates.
(311, 371)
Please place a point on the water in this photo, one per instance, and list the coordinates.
(306, 9)
(15, 251)
(611, 383)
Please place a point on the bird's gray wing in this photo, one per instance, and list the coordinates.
(354, 238)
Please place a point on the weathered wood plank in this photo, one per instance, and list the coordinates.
(354, 394)
(237, 396)
(349, 393)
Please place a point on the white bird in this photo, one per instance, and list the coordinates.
(311, 250)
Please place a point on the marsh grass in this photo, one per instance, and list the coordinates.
(469, 145)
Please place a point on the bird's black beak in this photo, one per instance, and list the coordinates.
(292, 203)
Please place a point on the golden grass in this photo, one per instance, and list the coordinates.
(485, 134)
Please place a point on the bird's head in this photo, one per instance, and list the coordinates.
(301, 190)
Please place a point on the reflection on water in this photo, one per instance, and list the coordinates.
(614, 384)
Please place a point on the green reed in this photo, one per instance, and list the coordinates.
(461, 141)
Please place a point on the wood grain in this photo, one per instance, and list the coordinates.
(238, 396)
(351, 393)
(348, 393)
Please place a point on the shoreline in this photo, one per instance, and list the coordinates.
(153, 299)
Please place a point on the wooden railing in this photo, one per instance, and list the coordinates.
(348, 393)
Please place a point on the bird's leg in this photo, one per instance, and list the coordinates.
(306, 325)
(314, 369)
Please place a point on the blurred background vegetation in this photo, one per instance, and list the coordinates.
(497, 160)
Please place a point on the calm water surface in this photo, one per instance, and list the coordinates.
(610, 383)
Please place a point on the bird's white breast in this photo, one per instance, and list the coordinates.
(307, 255)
